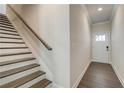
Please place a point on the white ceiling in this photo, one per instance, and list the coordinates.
(101, 16)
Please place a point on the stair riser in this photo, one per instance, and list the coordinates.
(9, 35)
(12, 45)
(8, 32)
(10, 40)
(18, 75)
(6, 25)
(29, 84)
(16, 65)
(7, 28)
(6, 51)
(14, 57)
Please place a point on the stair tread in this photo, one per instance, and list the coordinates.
(16, 61)
(9, 34)
(10, 37)
(8, 30)
(12, 42)
(23, 80)
(17, 70)
(11, 54)
(8, 24)
(10, 27)
(13, 47)
(41, 84)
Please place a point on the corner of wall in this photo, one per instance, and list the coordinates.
(117, 73)
(80, 76)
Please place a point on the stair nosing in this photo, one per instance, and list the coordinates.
(6, 21)
(10, 37)
(23, 68)
(16, 61)
(8, 30)
(7, 27)
(39, 73)
(8, 24)
(9, 34)
(13, 47)
(12, 54)
(13, 42)
(49, 82)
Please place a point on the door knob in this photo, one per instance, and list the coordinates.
(107, 48)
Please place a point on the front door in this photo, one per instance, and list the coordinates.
(100, 46)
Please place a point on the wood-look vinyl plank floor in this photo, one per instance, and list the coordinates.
(100, 75)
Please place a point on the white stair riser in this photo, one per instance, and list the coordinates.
(34, 81)
(5, 35)
(5, 25)
(11, 32)
(7, 51)
(18, 75)
(11, 45)
(14, 57)
(16, 65)
(7, 28)
(11, 40)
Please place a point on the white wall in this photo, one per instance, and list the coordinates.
(101, 28)
(51, 23)
(3, 8)
(80, 48)
(118, 42)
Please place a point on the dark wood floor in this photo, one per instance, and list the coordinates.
(100, 75)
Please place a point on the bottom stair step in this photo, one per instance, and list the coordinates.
(17, 70)
(42, 84)
(22, 80)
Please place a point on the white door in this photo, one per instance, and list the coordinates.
(100, 46)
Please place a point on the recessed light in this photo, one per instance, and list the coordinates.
(100, 9)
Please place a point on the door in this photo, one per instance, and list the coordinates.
(100, 46)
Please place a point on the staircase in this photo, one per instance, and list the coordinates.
(18, 67)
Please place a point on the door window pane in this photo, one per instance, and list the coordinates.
(100, 37)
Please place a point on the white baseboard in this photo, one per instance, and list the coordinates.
(80, 76)
(54, 85)
(118, 74)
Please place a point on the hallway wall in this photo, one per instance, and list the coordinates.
(51, 23)
(117, 38)
(80, 47)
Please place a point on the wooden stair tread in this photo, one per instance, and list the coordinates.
(10, 37)
(13, 47)
(23, 80)
(8, 24)
(16, 61)
(12, 42)
(11, 27)
(11, 54)
(9, 34)
(17, 70)
(8, 30)
(42, 84)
